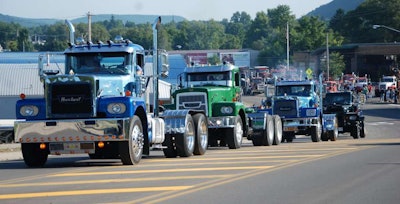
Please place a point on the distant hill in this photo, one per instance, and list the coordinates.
(137, 19)
(328, 10)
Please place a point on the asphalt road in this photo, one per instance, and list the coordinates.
(345, 171)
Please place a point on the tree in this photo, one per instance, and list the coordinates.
(214, 59)
(356, 25)
(235, 29)
(311, 34)
(24, 43)
(112, 24)
(336, 65)
(274, 39)
(258, 30)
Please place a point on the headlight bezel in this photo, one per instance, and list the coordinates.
(116, 108)
(226, 110)
(29, 110)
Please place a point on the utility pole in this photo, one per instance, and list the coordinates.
(287, 45)
(89, 15)
(327, 55)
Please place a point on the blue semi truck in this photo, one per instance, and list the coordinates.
(97, 105)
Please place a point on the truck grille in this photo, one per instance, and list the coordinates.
(287, 108)
(192, 100)
(71, 99)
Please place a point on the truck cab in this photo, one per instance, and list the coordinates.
(346, 105)
(216, 90)
(298, 103)
(97, 105)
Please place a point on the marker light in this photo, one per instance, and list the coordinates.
(100, 144)
(42, 146)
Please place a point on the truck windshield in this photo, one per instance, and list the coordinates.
(99, 63)
(294, 90)
(338, 98)
(388, 80)
(209, 78)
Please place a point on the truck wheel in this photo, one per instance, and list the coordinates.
(316, 131)
(235, 140)
(277, 130)
(131, 151)
(169, 142)
(267, 136)
(288, 137)
(355, 131)
(325, 136)
(33, 155)
(201, 128)
(185, 142)
(362, 132)
(333, 135)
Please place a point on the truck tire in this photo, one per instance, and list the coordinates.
(316, 131)
(169, 142)
(362, 132)
(288, 137)
(132, 150)
(185, 142)
(33, 155)
(325, 136)
(201, 128)
(267, 136)
(235, 140)
(333, 134)
(278, 132)
(355, 131)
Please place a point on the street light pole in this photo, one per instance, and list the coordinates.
(387, 27)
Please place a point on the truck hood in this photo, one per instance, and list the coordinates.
(215, 94)
(303, 101)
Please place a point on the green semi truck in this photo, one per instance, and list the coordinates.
(216, 90)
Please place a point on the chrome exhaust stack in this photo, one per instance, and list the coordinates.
(71, 32)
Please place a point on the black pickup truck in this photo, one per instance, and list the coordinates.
(348, 112)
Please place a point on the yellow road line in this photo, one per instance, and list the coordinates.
(99, 181)
(159, 198)
(92, 192)
(232, 158)
(291, 149)
(221, 162)
(161, 171)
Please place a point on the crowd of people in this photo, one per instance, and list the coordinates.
(390, 95)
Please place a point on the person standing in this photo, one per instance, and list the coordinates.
(382, 95)
(396, 95)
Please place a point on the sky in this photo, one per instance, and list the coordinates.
(189, 9)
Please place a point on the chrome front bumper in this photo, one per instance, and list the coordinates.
(222, 122)
(72, 130)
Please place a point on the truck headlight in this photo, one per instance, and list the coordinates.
(352, 117)
(116, 108)
(226, 109)
(29, 110)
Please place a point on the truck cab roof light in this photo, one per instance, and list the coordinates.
(110, 42)
(118, 39)
(99, 43)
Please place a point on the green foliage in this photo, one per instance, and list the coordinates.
(213, 60)
(336, 65)
(357, 25)
(265, 33)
